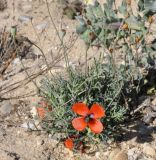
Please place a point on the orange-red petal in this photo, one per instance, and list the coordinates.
(80, 108)
(79, 123)
(45, 105)
(69, 143)
(97, 111)
(95, 125)
(41, 112)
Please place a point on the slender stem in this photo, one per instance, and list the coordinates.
(86, 60)
(41, 50)
(61, 40)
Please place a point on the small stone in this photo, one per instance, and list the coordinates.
(26, 117)
(106, 153)
(131, 151)
(31, 55)
(42, 26)
(114, 153)
(122, 155)
(97, 154)
(2, 131)
(33, 111)
(148, 119)
(24, 19)
(154, 122)
(154, 102)
(153, 108)
(50, 135)
(28, 125)
(16, 61)
(149, 150)
(6, 108)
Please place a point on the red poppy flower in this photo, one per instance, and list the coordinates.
(89, 117)
(41, 112)
(69, 143)
(43, 108)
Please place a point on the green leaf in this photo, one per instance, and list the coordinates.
(85, 36)
(110, 3)
(123, 8)
(94, 12)
(109, 13)
(151, 90)
(154, 45)
(150, 5)
(133, 23)
(141, 5)
(81, 28)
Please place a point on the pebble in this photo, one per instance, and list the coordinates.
(149, 150)
(154, 122)
(42, 26)
(133, 153)
(24, 19)
(28, 125)
(118, 154)
(154, 102)
(148, 118)
(97, 154)
(33, 111)
(114, 153)
(6, 108)
(16, 61)
(122, 155)
(153, 108)
(2, 131)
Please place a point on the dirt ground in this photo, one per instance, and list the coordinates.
(18, 93)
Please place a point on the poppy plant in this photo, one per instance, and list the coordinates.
(89, 117)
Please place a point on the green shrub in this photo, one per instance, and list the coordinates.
(99, 85)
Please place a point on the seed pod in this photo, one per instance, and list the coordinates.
(137, 39)
(150, 19)
(92, 36)
(110, 50)
(125, 26)
(89, 22)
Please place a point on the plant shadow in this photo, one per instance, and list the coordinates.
(134, 126)
(139, 130)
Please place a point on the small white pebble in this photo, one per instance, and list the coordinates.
(97, 154)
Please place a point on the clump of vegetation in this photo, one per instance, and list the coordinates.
(90, 106)
(125, 36)
(12, 46)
